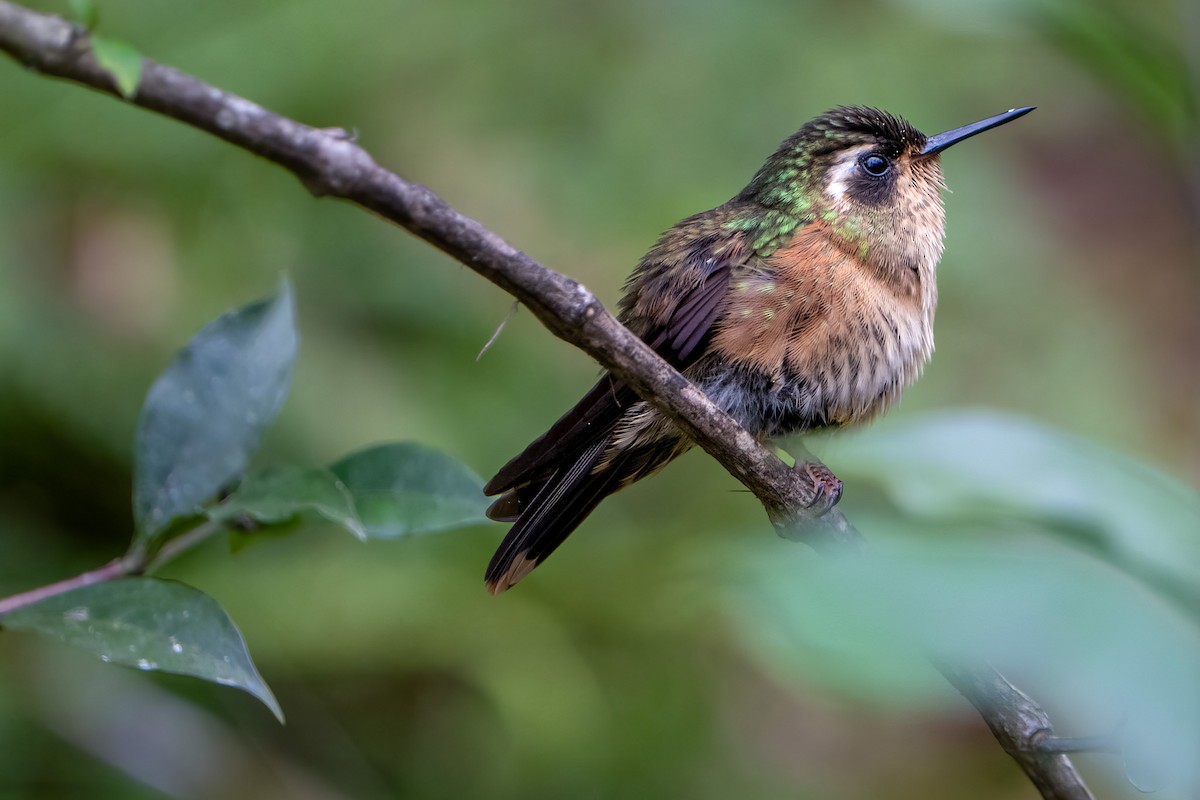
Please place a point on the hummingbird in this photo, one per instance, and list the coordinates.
(804, 303)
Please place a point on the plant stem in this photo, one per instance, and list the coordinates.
(117, 568)
(132, 563)
(181, 544)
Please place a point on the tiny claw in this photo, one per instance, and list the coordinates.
(826, 487)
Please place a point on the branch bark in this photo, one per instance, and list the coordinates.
(1021, 727)
(330, 163)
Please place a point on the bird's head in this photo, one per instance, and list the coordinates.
(872, 175)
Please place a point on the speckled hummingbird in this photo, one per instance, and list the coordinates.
(804, 303)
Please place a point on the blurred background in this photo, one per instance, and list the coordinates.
(578, 131)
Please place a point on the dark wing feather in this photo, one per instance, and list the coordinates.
(589, 421)
(693, 320)
(593, 417)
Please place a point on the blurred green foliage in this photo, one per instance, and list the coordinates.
(1051, 576)
(578, 131)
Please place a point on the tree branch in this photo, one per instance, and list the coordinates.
(1021, 727)
(329, 163)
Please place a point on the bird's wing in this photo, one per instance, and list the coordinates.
(698, 278)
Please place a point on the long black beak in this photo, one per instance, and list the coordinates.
(936, 144)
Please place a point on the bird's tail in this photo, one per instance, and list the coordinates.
(545, 513)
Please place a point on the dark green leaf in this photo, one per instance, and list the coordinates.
(121, 61)
(278, 495)
(204, 416)
(149, 624)
(405, 488)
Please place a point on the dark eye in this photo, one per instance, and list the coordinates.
(875, 164)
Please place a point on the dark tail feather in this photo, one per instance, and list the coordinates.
(546, 519)
(591, 420)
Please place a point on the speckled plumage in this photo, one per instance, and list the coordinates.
(804, 302)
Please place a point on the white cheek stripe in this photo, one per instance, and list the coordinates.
(839, 177)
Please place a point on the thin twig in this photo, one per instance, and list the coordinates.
(336, 166)
(134, 563)
(180, 544)
(116, 568)
(499, 328)
(1079, 744)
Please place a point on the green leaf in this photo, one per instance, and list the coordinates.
(405, 488)
(149, 624)
(277, 495)
(1077, 635)
(121, 61)
(799, 617)
(86, 13)
(1073, 567)
(204, 416)
(981, 465)
(385, 491)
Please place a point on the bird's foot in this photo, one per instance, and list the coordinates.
(826, 487)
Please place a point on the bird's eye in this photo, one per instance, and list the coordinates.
(875, 165)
